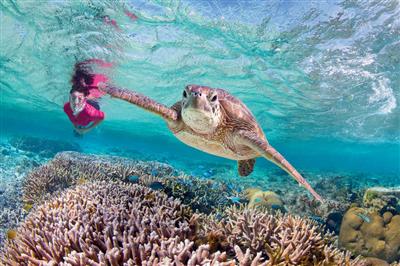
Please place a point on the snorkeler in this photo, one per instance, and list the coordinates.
(83, 110)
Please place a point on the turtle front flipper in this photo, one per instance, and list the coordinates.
(141, 101)
(245, 167)
(267, 151)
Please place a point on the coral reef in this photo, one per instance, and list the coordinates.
(277, 239)
(69, 168)
(43, 147)
(381, 199)
(115, 223)
(14, 165)
(371, 234)
(95, 210)
(203, 195)
(103, 222)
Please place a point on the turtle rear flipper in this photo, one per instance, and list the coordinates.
(245, 167)
(268, 152)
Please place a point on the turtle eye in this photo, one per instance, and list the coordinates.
(214, 98)
(184, 94)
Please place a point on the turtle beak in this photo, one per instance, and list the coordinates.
(198, 100)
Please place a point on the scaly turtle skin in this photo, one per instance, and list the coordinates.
(215, 122)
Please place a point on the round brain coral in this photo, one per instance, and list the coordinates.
(370, 234)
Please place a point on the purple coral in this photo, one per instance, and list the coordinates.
(68, 168)
(101, 222)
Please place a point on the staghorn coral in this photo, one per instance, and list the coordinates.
(96, 225)
(370, 234)
(113, 223)
(102, 222)
(276, 239)
(69, 168)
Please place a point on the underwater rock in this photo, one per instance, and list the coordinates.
(381, 199)
(266, 199)
(43, 147)
(369, 235)
(334, 221)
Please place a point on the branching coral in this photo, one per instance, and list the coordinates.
(277, 239)
(68, 168)
(103, 222)
(115, 223)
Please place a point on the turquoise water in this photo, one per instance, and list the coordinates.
(322, 78)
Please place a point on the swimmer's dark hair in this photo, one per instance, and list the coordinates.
(81, 90)
(82, 78)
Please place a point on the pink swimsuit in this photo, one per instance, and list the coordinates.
(85, 117)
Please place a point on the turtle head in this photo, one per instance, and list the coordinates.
(201, 108)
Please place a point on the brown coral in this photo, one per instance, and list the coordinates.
(370, 234)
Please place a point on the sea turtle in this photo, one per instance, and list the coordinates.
(215, 122)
